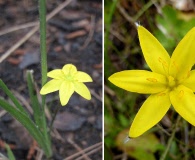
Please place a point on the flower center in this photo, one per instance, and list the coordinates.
(69, 78)
(171, 82)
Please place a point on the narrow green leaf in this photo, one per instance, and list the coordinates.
(10, 153)
(107, 153)
(108, 19)
(37, 110)
(28, 124)
(12, 97)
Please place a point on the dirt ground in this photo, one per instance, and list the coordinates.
(74, 35)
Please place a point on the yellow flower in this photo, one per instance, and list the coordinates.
(67, 80)
(169, 82)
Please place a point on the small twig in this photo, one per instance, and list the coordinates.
(76, 146)
(18, 44)
(126, 16)
(32, 31)
(54, 117)
(167, 133)
(84, 150)
(91, 152)
(117, 35)
(15, 28)
(23, 100)
(32, 150)
(91, 32)
(170, 139)
(132, 20)
(96, 95)
(2, 113)
(40, 154)
(2, 157)
(55, 134)
(109, 91)
(143, 9)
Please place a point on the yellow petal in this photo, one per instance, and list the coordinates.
(155, 55)
(183, 100)
(150, 113)
(139, 81)
(82, 90)
(190, 81)
(51, 86)
(83, 77)
(66, 91)
(56, 74)
(183, 57)
(69, 69)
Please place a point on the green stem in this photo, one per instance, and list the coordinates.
(53, 118)
(170, 139)
(42, 17)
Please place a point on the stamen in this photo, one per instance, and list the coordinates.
(181, 93)
(174, 64)
(152, 80)
(161, 94)
(164, 63)
(188, 75)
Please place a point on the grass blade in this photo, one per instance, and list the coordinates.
(12, 97)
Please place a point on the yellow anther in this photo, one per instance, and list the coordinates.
(152, 79)
(174, 64)
(188, 75)
(163, 62)
(161, 94)
(181, 93)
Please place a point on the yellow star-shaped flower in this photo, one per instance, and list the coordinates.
(169, 82)
(67, 80)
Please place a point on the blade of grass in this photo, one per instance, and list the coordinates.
(107, 21)
(37, 110)
(10, 153)
(12, 97)
(27, 123)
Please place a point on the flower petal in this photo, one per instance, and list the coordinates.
(151, 112)
(82, 90)
(183, 57)
(83, 77)
(183, 100)
(69, 69)
(56, 74)
(190, 81)
(51, 86)
(155, 55)
(139, 81)
(66, 91)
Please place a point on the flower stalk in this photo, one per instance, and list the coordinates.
(43, 51)
(163, 157)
